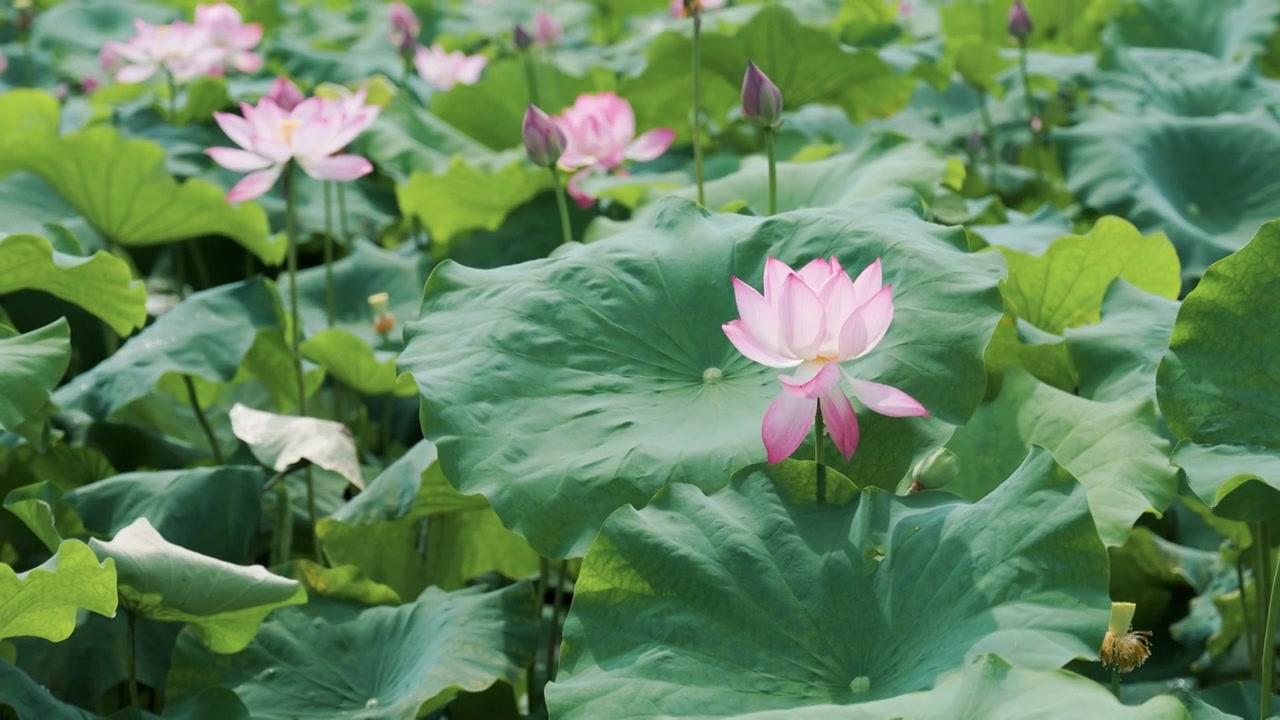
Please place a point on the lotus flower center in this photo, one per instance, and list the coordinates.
(287, 128)
(712, 375)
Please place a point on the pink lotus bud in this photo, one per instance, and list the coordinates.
(403, 20)
(544, 140)
(1036, 124)
(88, 85)
(285, 94)
(4, 62)
(546, 31)
(523, 40)
(1019, 21)
(761, 99)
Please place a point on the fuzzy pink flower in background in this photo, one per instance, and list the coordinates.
(442, 70)
(546, 31)
(601, 130)
(311, 134)
(4, 62)
(350, 110)
(812, 321)
(231, 38)
(403, 19)
(178, 48)
(676, 7)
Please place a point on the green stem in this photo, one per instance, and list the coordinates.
(314, 517)
(194, 399)
(697, 107)
(1115, 682)
(565, 228)
(197, 261)
(531, 78)
(536, 692)
(173, 97)
(819, 443)
(342, 214)
(384, 432)
(132, 621)
(1267, 648)
(988, 129)
(773, 170)
(1251, 637)
(179, 270)
(295, 336)
(29, 67)
(1031, 108)
(553, 638)
(1262, 582)
(330, 295)
(282, 536)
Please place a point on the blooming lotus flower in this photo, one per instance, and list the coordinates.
(178, 48)
(228, 34)
(442, 70)
(350, 110)
(601, 133)
(271, 137)
(678, 8)
(285, 94)
(814, 320)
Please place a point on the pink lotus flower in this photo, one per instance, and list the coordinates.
(179, 48)
(403, 19)
(230, 37)
(4, 62)
(546, 31)
(350, 110)
(285, 94)
(677, 7)
(311, 134)
(442, 70)
(601, 129)
(813, 320)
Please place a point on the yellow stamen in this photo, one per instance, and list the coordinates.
(1123, 648)
(287, 128)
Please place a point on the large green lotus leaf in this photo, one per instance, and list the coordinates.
(463, 197)
(1216, 472)
(343, 582)
(987, 687)
(339, 42)
(124, 191)
(491, 110)
(757, 598)
(879, 167)
(61, 467)
(1216, 384)
(1228, 29)
(31, 365)
(23, 111)
(208, 335)
(1182, 82)
(1117, 357)
(30, 700)
(281, 441)
(368, 270)
(405, 140)
(1203, 181)
(334, 660)
(1114, 448)
(102, 284)
(224, 602)
(573, 385)
(410, 529)
(1064, 288)
(43, 602)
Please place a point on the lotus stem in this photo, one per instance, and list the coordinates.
(291, 234)
(1115, 682)
(330, 296)
(989, 129)
(282, 537)
(531, 77)
(553, 637)
(1251, 637)
(1267, 650)
(1031, 107)
(197, 262)
(819, 430)
(173, 97)
(342, 214)
(132, 621)
(697, 107)
(565, 228)
(773, 173)
(194, 399)
(1262, 583)
(536, 692)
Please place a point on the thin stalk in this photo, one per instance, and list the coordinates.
(1031, 107)
(1262, 582)
(342, 213)
(989, 130)
(553, 639)
(540, 591)
(248, 265)
(132, 621)
(180, 270)
(531, 77)
(314, 517)
(28, 55)
(173, 97)
(291, 233)
(197, 261)
(194, 399)
(773, 170)
(1268, 650)
(1251, 638)
(565, 228)
(819, 442)
(1115, 682)
(282, 536)
(330, 294)
(697, 106)
(384, 431)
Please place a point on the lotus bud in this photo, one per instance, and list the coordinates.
(523, 40)
(761, 99)
(1019, 21)
(544, 140)
(4, 62)
(546, 31)
(1036, 124)
(88, 85)
(403, 19)
(936, 470)
(1122, 647)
